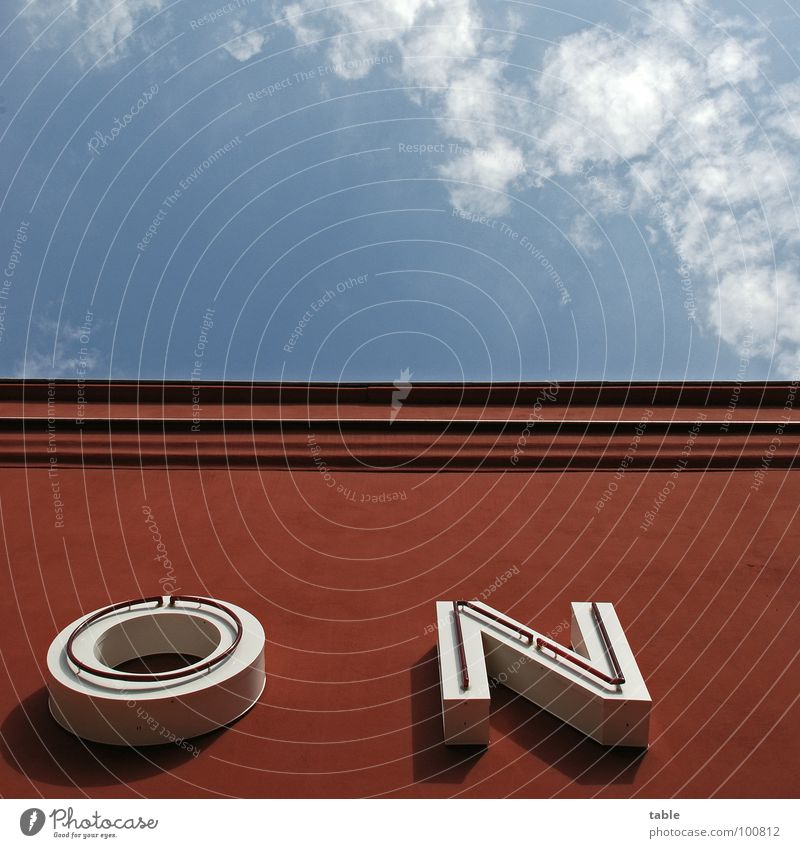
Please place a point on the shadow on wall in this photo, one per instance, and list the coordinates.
(545, 740)
(34, 745)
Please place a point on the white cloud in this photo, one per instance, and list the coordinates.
(585, 235)
(454, 63)
(693, 133)
(672, 119)
(609, 100)
(244, 45)
(40, 365)
(104, 26)
(744, 313)
(495, 166)
(73, 356)
(733, 62)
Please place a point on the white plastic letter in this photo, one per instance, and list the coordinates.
(596, 687)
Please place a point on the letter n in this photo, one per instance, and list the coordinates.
(596, 687)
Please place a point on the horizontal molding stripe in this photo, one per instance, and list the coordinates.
(424, 444)
(401, 425)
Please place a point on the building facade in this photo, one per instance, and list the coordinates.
(340, 514)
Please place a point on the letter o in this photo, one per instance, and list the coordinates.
(90, 697)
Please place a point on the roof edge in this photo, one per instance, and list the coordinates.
(571, 393)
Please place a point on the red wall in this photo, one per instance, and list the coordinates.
(708, 593)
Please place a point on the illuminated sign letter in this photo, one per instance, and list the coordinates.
(596, 687)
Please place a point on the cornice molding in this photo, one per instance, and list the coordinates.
(425, 444)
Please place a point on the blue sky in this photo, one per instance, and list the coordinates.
(465, 190)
